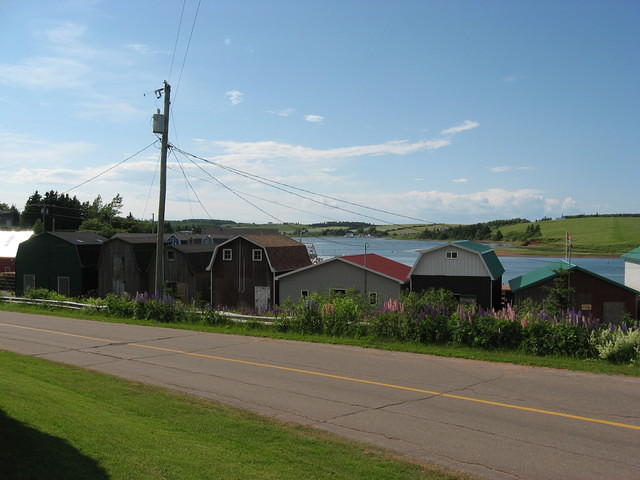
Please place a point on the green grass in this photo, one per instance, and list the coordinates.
(503, 356)
(590, 236)
(61, 422)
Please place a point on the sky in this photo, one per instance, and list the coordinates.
(442, 111)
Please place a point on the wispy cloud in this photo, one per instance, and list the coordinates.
(506, 168)
(144, 49)
(285, 112)
(45, 72)
(460, 180)
(227, 42)
(235, 96)
(466, 125)
(314, 118)
(511, 78)
(229, 150)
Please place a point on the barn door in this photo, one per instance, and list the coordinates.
(262, 295)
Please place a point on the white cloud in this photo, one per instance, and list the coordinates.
(45, 72)
(285, 112)
(314, 118)
(460, 180)
(144, 49)
(239, 151)
(506, 168)
(418, 179)
(110, 108)
(466, 125)
(510, 79)
(227, 41)
(235, 96)
(64, 33)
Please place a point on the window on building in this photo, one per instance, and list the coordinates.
(373, 298)
(171, 255)
(29, 281)
(227, 255)
(64, 286)
(338, 291)
(304, 293)
(467, 299)
(452, 255)
(257, 255)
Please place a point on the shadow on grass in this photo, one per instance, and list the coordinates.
(26, 453)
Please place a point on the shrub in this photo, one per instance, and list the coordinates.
(339, 316)
(44, 294)
(390, 325)
(618, 344)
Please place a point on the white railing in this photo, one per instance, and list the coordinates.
(235, 317)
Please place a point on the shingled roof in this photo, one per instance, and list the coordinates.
(283, 253)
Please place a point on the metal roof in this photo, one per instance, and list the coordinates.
(633, 255)
(547, 272)
(384, 265)
(488, 255)
(79, 238)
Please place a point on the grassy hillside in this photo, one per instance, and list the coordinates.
(590, 236)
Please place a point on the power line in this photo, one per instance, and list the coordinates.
(186, 52)
(269, 182)
(256, 178)
(110, 168)
(175, 44)
(233, 191)
(191, 186)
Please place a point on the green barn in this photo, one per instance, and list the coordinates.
(65, 262)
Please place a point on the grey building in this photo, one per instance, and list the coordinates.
(472, 271)
(380, 277)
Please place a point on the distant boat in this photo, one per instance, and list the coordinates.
(349, 235)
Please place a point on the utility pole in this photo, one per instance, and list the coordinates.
(159, 284)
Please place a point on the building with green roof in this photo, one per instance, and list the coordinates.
(592, 294)
(472, 271)
(632, 268)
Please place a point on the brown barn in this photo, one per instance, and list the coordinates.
(185, 271)
(127, 263)
(593, 294)
(243, 269)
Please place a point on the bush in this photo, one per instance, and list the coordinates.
(340, 316)
(618, 345)
(45, 294)
(390, 325)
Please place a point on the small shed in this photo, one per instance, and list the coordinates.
(243, 269)
(632, 268)
(65, 262)
(381, 278)
(592, 294)
(472, 271)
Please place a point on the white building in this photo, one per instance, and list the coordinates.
(632, 268)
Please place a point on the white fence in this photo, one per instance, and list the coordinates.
(234, 317)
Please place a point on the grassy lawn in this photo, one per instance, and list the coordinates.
(590, 236)
(61, 422)
(516, 357)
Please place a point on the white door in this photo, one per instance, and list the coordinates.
(262, 295)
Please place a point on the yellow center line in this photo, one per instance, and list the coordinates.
(344, 378)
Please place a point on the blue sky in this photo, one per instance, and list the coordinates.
(445, 111)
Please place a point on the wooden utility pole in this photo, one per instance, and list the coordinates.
(159, 284)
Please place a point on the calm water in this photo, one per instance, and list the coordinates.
(405, 251)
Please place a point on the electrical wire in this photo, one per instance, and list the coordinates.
(251, 177)
(191, 186)
(110, 168)
(243, 173)
(175, 44)
(186, 52)
(273, 183)
(153, 179)
(233, 191)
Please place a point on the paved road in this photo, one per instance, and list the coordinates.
(494, 420)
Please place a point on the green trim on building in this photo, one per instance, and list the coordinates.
(633, 255)
(547, 272)
(488, 255)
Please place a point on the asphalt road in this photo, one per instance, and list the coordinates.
(493, 420)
